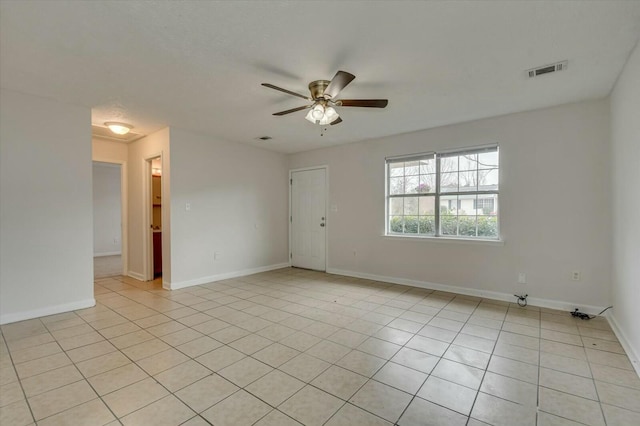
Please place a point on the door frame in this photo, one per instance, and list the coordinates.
(326, 210)
(147, 213)
(124, 209)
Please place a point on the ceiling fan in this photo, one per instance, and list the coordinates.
(323, 99)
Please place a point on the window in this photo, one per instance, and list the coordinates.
(449, 194)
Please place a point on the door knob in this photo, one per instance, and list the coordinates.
(322, 224)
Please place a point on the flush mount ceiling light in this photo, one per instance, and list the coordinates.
(118, 128)
(323, 94)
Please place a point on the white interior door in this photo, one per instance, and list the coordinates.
(308, 219)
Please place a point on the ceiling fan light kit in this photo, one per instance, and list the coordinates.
(322, 115)
(322, 95)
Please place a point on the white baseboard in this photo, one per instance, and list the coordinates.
(49, 310)
(632, 353)
(135, 275)
(488, 294)
(223, 276)
(108, 253)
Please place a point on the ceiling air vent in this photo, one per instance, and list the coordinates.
(547, 69)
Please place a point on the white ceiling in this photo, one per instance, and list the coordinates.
(199, 65)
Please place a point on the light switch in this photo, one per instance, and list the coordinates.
(187, 206)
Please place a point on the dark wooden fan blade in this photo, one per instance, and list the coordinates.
(339, 82)
(366, 103)
(336, 121)
(289, 92)
(289, 111)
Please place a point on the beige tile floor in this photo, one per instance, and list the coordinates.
(293, 347)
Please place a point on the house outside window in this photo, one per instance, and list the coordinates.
(463, 184)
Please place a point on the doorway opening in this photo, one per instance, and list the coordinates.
(109, 258)
(154, 202)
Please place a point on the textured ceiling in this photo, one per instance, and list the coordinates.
(199, 65)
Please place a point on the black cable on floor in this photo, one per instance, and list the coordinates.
(583, 316)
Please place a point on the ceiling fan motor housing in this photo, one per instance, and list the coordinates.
(317, 88)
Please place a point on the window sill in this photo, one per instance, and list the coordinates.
(490, 242)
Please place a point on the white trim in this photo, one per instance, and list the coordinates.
(223, 276)
(487, 294)
(409, 237)
(107, 253)
(49, 310)
(326, 210)
(632, 354)
(136, 275)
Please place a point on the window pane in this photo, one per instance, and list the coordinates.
(396, 206)
(449, 182)
(411, 224)
(449, 204)
(488, 180)
(396, 185)
(486, 204)
(427, 183)
(468, 162)
(427, 206)
(448, 224)
(466, 205)
(488, 160)
(411, 168)
(427, 166)
(395, 224)
(467, 226)
(411, 184)
(468, 181)
(427, 225)
(449, 164)
(488, 226)
(396, 169)
(411, 205)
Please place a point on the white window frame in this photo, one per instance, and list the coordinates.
(438, 194)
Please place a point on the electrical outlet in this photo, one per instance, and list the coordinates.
(187, 206)
(575, 276)
(522, 278)
(116, 241)
(216, 256)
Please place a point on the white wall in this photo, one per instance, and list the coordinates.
(106, 209)
(46, 263)
(109, 151)
(625, 170)
(238, 197)
(554, 183)
(153, 145)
